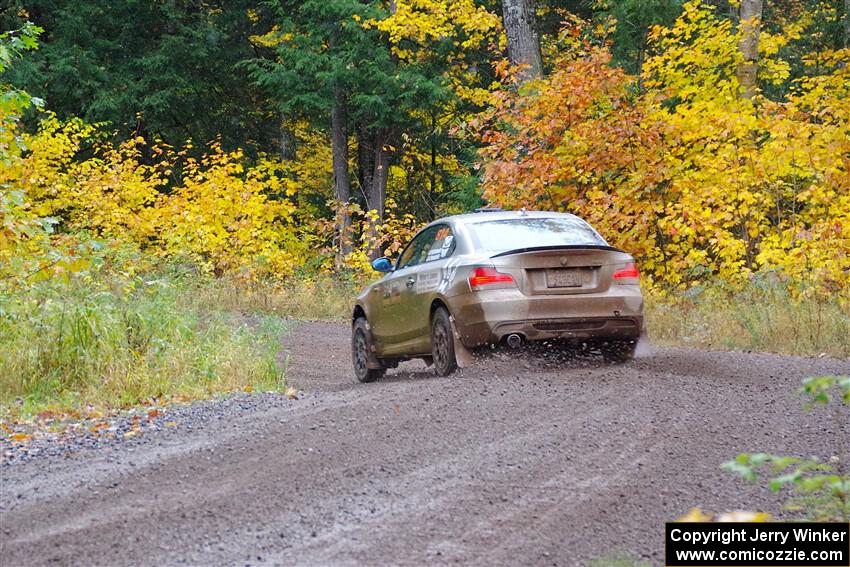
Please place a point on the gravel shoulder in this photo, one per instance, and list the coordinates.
(516, 460)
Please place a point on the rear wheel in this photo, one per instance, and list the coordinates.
(621, 350)
(442, 343)
(361, 352)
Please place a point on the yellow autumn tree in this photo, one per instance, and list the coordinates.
(223, 215)
(109, 194)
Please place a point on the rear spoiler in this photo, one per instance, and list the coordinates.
(558, 247)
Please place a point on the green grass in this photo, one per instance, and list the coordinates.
(764, 318)
(110, 341)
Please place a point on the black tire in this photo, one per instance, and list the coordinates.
(361, 345)
(622, 350)
(442, 343)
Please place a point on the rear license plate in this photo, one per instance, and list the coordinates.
(564, 278)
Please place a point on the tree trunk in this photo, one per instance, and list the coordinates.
(376, 191)
(748, 45)
(374, 162)
(286, 143)
(365, 163)
(847, 24)
(523, 42)
(432, 174)
(342, 186)
(641, 52)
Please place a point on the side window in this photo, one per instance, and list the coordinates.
(418, 249)
(443, 246)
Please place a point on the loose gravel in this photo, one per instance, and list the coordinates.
(66, 437)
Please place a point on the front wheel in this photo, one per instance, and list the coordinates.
(442, 343)
(361, 344)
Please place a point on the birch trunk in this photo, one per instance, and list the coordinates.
(748, 45)
(523, 42)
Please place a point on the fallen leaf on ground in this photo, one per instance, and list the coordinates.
(21, 436)
(291, 393)
(743, 516)
(695, 515)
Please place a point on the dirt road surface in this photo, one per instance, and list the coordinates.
(514, 461)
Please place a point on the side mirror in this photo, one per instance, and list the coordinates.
(382, 265)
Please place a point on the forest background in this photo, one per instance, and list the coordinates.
(178, 177)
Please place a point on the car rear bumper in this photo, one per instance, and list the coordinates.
(487, 317)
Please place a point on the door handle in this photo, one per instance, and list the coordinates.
(410, 281)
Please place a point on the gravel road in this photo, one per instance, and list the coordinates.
(515, 461)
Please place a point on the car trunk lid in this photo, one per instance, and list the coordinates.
(562, 270)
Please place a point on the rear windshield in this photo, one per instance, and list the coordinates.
(510, 234)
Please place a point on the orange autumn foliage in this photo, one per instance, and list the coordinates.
(695, 181)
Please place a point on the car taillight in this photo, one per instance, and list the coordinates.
(489, 278)
(628, 275)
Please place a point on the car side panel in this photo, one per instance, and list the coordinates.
(371, 301)
(413, 323)
(385, 326)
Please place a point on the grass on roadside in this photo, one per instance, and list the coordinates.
(67, 345)
(761, 318)
(321, 297)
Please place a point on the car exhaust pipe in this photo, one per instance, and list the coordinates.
(514, 340)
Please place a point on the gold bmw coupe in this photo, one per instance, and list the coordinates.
(497, 277)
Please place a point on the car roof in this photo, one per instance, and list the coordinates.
(494, 215)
